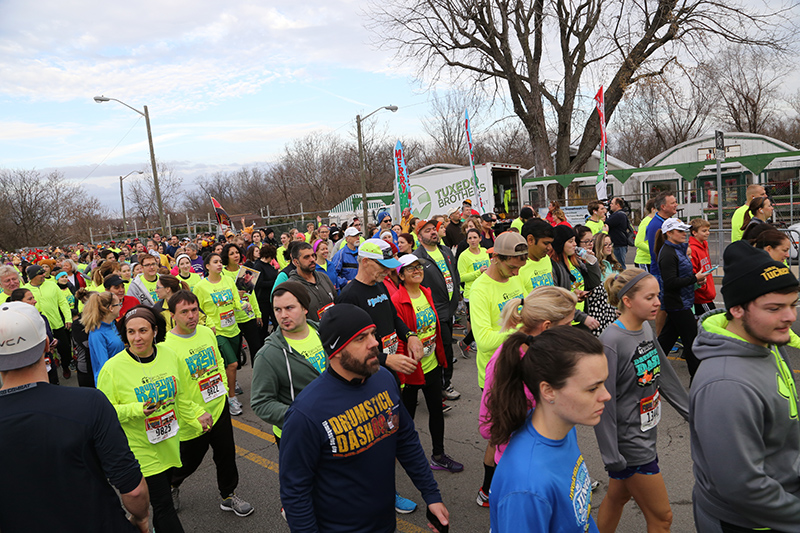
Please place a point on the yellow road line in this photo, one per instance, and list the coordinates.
(253, 431)
(402, 525)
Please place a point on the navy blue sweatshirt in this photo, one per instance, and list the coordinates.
(337, 455)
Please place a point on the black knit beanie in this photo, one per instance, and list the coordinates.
(750, 273)
(561, 234)
(297, 289)
(340, 324)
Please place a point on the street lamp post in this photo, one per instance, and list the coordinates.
(146, 115)
(359, 120)
(122, 196)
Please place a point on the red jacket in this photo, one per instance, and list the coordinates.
(405, 310)
(701, 262)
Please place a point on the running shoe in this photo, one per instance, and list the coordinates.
(176, 498)
(445, 462)
(283, 514)
(237, 505)
(65, 372)
(450, 393)
(483, 499)
(239, 388)
(464, 349)
(235, 406)
(446, 408)
(403, 505)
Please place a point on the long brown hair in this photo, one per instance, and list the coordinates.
(755, 204)
(551, 358)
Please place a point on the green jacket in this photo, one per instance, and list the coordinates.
(51, 302)
(279, 374)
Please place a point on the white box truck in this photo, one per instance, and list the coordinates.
(437, 188)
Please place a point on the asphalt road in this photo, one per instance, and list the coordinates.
(258, 468)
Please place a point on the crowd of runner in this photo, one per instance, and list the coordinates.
(345, 326)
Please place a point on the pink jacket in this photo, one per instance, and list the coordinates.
(483, 419)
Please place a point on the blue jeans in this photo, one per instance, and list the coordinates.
(620, 252)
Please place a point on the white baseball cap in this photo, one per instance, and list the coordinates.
(352, 231)
(22, 335)
(674, 223)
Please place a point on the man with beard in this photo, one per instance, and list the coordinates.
(318, 285)
(342, 435)
(743, 411)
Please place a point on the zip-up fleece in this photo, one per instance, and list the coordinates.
(140, 292)
(745, 430)
(279, 374)
(677, 277)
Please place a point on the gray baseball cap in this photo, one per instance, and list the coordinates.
(22, 335)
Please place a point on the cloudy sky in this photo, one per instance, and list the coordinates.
(226, 83)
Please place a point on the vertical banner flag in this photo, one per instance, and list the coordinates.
(401, 175)
(602, 168)
(223, 220)
(478, 200)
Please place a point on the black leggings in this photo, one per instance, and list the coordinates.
(252, 334)
(165, 517)
(220, 438)
(64, 347)
(432, 390)
(681, 324)
(470, 338)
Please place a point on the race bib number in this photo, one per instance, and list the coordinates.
(212, 387)
(429, 346)
(389, 343)
(322, 310)
(161, 427)
(650, 411)
(227, 319)
(449, 282)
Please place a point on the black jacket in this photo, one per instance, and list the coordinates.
(434, 280)
(618, 228)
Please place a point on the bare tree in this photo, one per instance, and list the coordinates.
(141, 193)
(659, 113)
(43, 209)
(445, 125)
(540, 51)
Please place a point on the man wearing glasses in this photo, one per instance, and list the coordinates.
(385, 224)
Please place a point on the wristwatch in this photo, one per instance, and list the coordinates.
(410, 334)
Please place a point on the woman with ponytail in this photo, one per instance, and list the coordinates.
(638, 373)
(758, 212)
(542, 483)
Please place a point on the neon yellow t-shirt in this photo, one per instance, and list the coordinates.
(517, 224)
(469, 267)
(736, 223)
(151, 287)
(577, 285)
(198, 355)
(129, 384)
(279, 257)
(438, 258)
(536, 273)
(596, 227)
(241, 315)
(487, 301)
(426, 332)
(642, 247)
(193, 279)
(219, 301)
(311, 349)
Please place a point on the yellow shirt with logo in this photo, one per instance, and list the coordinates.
(426, 331)
(129, 384)
(204, 374)
(536, 274)
(469, 267)
(219, 301)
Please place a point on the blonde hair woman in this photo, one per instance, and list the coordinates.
(99, 321)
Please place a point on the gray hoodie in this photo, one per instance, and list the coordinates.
(137, 289)
(637, 368)
(745, 431)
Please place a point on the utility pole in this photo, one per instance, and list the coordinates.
(361, 172)
(122, 197)
(155, 171)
